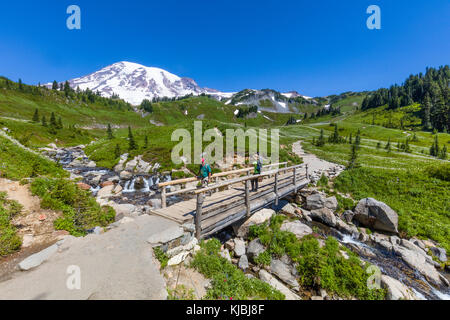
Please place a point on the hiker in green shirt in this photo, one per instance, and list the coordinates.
(204, 173)
(256, 171)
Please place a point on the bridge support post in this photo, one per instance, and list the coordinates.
(247, 197)
(198, 216)
(276, 188)
(295, 180)
(163, 197)
(307, 174)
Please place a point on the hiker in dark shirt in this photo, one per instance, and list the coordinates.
(256, 171)
(204, 173)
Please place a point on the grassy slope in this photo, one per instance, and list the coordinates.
(399, 179)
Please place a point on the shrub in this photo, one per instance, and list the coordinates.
(9, 240)
(227, 281)
(80, 210)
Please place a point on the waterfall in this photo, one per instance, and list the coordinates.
(150, 182)
(95, 190)
(129, 186)
(146, 186)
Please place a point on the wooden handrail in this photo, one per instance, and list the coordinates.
(216, 175)
(242, 179)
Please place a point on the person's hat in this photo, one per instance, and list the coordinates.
(203, 160)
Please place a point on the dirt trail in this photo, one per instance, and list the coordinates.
(314, 163)
(34, 224)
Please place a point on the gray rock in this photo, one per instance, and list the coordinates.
(125, 175)
(376, 215)
(296, 227)
(268, 278)
(225, 254)
(394, 240)
(255, 247)
(165, 236)
(331, 203)
(324, 215)
(440, 253)
(345, 228)
(417, 261)
(239, 247)
(315, 201)
(348, 215)
(411, 246)
(38, 258)
(243, 262)
(257, 218)
(283, 272)
(288, 209)
(396, 290)
(155, 203)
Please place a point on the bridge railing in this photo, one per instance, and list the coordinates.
(200, 192)
(163, 185)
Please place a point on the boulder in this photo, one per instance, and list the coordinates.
(283, 272)
(243, 262)
(106, 183)
(419, 262)
(396, 290)
(239, 247)
(296, 227)
(348, 215)
(126, 175)
(268, 278)
(315, 201)
(345, 228)
(105, 192)
(38, 258)
(225, 254)
(166, 236)
(83, 186)
(331, 203)
(255, 247)
(257, 218)
(440, 253)
(324, 215)
(288, 209)
(377, 215)
(177, 259)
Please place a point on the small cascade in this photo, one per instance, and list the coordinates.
(146, 187)
(129, 186)
(95, 190)
(150, 182)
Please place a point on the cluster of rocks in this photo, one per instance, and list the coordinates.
(178, 243)
(330, 173)
(137, 165)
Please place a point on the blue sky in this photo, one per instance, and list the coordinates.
(315, 47)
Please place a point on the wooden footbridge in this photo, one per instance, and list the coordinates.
(228, 200)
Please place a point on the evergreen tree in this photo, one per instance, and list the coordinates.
(36, 116)
(335, 138)
(353, 162)
(117, 151)
(321, 140)
(407, 148)
(131, 142)
(67, 88)
(434, 149)
(44, 121)
(145, 142)
(388, 145)
(20, 85)
(60, 125)
(55, 85)
(443, 154)
(350, 139)
(53, 120)
(109, 132)
(358, 138)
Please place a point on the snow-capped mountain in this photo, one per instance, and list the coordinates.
(134, 83)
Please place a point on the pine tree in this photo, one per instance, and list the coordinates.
(131, 142)
(353, 162)
(145, 142)
(36, 116)
(321, 140)
(44, 121)
(55, 85)
(358, 138)
(350, 139)
(117, 151)
(427, 112)
(109, 132)
(388, 145)
(443, 154)
(60, 125)
(335, 138)
(53, 120)
(434, 149)
(20, 85)
(67, 88)
(407, 148)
